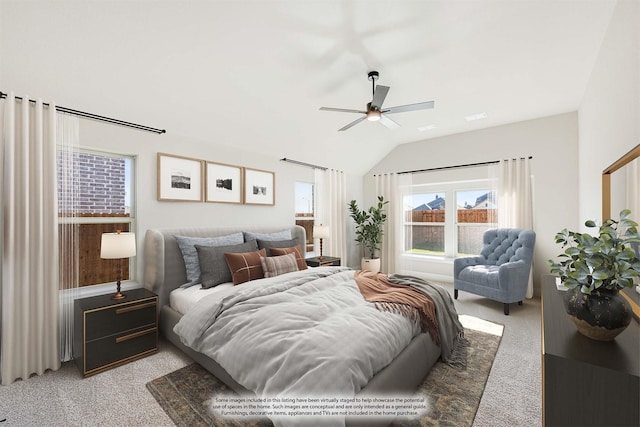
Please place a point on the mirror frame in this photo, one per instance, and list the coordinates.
(606, 179)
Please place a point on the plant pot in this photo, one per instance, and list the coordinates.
(371, 264)
(600, 316)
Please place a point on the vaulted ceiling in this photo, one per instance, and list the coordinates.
(253, 74)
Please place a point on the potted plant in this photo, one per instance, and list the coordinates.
(595, 269)
(369, 231)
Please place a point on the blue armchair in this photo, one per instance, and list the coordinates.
(501, 272)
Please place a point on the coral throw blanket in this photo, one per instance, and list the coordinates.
(376, 288)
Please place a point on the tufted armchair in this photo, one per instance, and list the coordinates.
(501, 272)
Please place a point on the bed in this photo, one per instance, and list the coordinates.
(164, 271)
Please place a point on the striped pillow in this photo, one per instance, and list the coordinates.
(296, 250)
(277, 265)
(245, 266)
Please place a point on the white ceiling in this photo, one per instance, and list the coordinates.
(253, 74)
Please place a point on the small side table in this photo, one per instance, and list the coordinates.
(110, 333)
(316, 261)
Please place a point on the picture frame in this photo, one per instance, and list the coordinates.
(259, 187)
(223, 183)
(180, 178)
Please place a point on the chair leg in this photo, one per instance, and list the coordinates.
(455, 294)
(506, 309)
(519, 302)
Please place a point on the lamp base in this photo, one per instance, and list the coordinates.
(118, 295)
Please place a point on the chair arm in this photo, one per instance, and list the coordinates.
(460, 264)
(514, 275)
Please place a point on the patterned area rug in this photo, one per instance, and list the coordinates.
(453, 394)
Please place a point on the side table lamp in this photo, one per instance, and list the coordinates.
(117, 246)
(321, 232)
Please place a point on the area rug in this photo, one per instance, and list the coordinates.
(452, 394)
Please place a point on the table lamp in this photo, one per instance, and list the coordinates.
(321, 232)
(117, 246)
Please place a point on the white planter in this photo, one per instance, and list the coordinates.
(371, 264)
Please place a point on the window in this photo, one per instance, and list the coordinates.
(95, 196)
(448, 219)
(305, 211)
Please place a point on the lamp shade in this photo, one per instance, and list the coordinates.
(118, 245)
(321, 231)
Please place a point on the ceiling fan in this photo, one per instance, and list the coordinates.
(374, 111)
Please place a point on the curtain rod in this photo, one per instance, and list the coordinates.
(309, 165)
(96, 117)
(493, 162)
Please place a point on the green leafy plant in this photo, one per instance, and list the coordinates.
(369, 225)
(606, 261)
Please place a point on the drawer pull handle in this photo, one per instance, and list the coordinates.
(135, 307)
(134, 335)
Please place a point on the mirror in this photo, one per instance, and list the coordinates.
(621, 185)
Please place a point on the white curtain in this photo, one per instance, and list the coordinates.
(29, 241)
(68, 177)
(515, 203)
(331, 210)
(390, 186)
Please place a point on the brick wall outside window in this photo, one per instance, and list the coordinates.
(100, 184)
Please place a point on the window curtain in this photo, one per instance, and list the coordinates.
(331, 210)
(29, 244)
(392, 186)
(515, 202)
(68, 202)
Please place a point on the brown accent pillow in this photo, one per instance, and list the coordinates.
(245, 266)
(302, 264)
(277, 265)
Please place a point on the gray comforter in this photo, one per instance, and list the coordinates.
(303, 334)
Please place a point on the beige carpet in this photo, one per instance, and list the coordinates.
(452, 394)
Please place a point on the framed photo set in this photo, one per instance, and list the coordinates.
(259, 187)
(179, 178)
(224, 183)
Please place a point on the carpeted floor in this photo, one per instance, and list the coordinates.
(452, 394)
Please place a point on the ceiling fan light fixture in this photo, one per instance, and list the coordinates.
(373, 115)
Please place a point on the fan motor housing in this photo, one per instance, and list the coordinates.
(373, 76)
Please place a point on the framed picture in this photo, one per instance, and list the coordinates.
(259, 187)
(179, 178)
(224, 183)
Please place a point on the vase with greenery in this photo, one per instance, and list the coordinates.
(369, 230)
(595, 268)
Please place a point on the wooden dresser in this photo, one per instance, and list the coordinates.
(586, 382)
(109, 333)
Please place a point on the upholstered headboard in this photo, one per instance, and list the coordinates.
(164, 268)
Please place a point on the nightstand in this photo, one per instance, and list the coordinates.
(316, 261)
(110, 333)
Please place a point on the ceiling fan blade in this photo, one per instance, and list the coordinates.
(342, 110)
(379, 95)
(388, 123)
(409, 107)
(353, 123)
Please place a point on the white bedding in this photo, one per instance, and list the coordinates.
(182, 299)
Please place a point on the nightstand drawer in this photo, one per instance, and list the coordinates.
(108, 321)
(118, 348)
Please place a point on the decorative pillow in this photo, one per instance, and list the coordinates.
(278, 235)
(187, 246)
(277, 265)
(213, 265)
(296, 250)
(268, 244)
(245, 266)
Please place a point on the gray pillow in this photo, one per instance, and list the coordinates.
(213, 265)
(187, 246)
(266, 244)
(278, 235)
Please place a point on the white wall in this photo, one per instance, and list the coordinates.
(553, 143)
(609, 116)
(151, 213)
